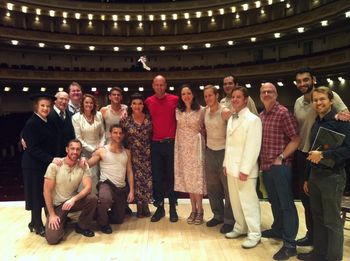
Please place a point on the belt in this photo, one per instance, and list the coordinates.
(165, 140)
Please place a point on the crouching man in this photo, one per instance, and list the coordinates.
(113, 190)
(61, 195)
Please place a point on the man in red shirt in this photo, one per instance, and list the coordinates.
(279, 141)
(162, 108)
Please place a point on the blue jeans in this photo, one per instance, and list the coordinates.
(278, 183)
(162, 157)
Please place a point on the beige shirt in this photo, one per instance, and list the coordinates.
(251, 104)
(306, 115)
(215, 128)
(67, 181)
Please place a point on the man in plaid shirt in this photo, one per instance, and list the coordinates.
(279, 141)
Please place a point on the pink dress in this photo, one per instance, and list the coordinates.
(189, 153)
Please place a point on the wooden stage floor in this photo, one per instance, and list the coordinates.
(139, 239)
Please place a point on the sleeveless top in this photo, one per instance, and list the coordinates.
(110, 119)
(113, 167)
(216, 129)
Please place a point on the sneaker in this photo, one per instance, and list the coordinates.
(270, 233)
(173, 215)
(160, 212)
(106, 229)
(233, 234)
(250, 243)
(285, 253)
(85, 232)
(226, 228)
(213, 222)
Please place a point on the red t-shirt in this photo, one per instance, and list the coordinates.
(163, 115)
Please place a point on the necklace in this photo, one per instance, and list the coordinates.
(89, 119)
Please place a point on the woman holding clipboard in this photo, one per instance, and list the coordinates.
(327, 178)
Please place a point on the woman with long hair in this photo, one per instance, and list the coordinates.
(89, 129)
(138, 129)
(189, 152)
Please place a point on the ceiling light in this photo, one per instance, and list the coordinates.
(280, 84)
(141, 89)
(24, 9)
(9, 6)
(237, 16)
(207, 45)
(64, 14)
(14, 42)
(347, 14)
(67, 46)
(341, 79)
(253, 39)
(201, 87)
(230, 42)
(162, 48)
(42, 89)
(329, 80)
(185, 47)
(288, 5)
(301, 29)
(125, 89)
(221, 11)
(25, 89)
(163, 17)
(127, 17)
(7, 89)
(90, 23)
(212, 20)
(37, 18)
(60, 89)
(38, 11)
(233, 9)
(139, 48)
(217, 86)
(186, 15)
(8, 14)
(115, 18)
(92, 48)
(151, 17)
(198, 14)
(93, 89)
(52, 13)
(210, 12)
(64, 21)
(188, 22)
(115, 24)
(270, 2)
(174, 16)
(90, 16)
(171, 88)
(41, 45)
(77, 15)
(262, 11)
(277, 35)
(116, 48)
(165, 24)
(109, 89)
(103, 17)
(324, 22)
(248, 85)
(245, 7)
(257, 4)
(281, 0)
(140, 24)
(139, 18)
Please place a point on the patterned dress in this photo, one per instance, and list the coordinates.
(138, 138)
(189, 153)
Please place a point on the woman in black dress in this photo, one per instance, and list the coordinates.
(40, 141)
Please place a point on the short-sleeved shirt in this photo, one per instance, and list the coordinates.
(163, 115)
(67, 181)
(306, 115)
(279, 126)
(251, 104)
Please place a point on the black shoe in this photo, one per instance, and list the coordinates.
(40, 231)
(160, 212)
(285, 253)
(31, 227)
(270, 234)
(214, 222)
(106, 229)
(310, 256)
(128, 210)
(85, 232)
(226, 228)
(173, 215)
(305, 241)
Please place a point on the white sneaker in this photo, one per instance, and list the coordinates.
(250, 243)
(233, 234)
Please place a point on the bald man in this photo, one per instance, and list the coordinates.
(162, 108)
(280, 140)
(61, 118)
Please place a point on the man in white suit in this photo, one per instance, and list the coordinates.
(243, 141)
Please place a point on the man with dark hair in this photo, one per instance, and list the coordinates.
(229, 84)
(162, 108)
(75, 97)
(61, 195)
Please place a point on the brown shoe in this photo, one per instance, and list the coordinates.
(139, 212)
(199, 218)
(145, 210)
(191, 218)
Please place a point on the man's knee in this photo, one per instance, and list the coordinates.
(53, 237)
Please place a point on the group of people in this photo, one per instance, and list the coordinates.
(130, 152)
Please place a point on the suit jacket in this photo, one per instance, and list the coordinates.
(64, 131)
(243, 142)
(40, 139)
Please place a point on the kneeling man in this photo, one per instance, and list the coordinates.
(113, 191)
(61, 195)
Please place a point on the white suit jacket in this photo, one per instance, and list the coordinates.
(243, 142)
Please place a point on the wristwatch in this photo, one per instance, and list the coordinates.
(281, 157)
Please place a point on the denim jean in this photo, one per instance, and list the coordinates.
(278, 183)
